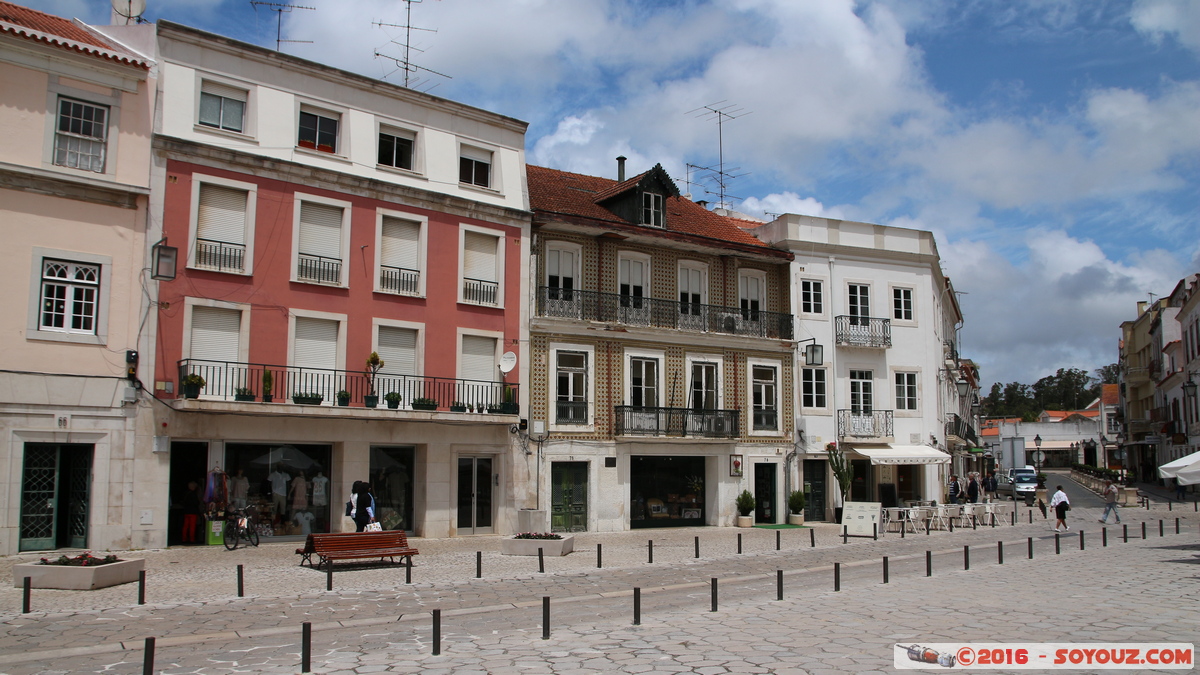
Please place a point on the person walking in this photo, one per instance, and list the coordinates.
(1061, 505)
(989, 485)
(973, 490)
(362, 509)
(952, 490)
(1180, 490)
(1110, 501)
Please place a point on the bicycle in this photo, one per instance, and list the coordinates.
(240, 525)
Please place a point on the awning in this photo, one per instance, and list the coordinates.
(1049, 445)
(902, 454)
(976, 450)
(1186, 469)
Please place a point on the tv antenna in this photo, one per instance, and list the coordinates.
(130, 10)
(720, 111)
(279, 8)
(410, 69)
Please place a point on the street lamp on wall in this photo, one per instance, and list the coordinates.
(1189, 388)
(814, 354)
(963, 387)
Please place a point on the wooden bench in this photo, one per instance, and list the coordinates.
(327, 548)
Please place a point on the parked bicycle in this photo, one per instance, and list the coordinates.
(240, 526)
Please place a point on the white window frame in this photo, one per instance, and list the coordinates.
(874, 395)
(716, 359)
(575, 250)
(916, 376)
(761, 277)
(393, 128)
(293, 313)
(552, 386)
(751, 363)
(194, 219)
(476, 152)
(870, 300)
(322, 109)
(657, 209)
(34, 329)
(463, 229)
(249, 127)
(346, 207)
(422, 244)
(824, 297)
(648, 289)
(912, 293)
(112, 101)
(627, 358)
(826, 395)
(694, 266)
(458, 342)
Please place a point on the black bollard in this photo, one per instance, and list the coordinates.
(714, 594)
(1125, 532)
(885, 569)
(927, 522)
(1031, 548)
(1170, 505)
(1030, 516)
(845, 535)
(1014, 516)
(637, 606)
(142, 587)
(541, 560)
(974, 525)
(241, 582)
(837, 576)
(305, 647)
(966, 557)
(928, 563)
(407, 572)
(812, 538)
(1104, 536)
(950, 522)
(27, 591)
(778, 538)
(999, 553)
(1143, 529)
(599, 556)
(1081, 540)
(779, 584)
(1147, 503)
(148, 657)
(650, 550)
(329, 576)
(1160, 527)
(545, 617)
(739, 543)
(697, 547)
(1057, 544)
(902, 529)
(1176, 526)
(478, 564)
(437, 632)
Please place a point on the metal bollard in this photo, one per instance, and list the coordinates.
(902, 529)
(1030, 516)
(1081, 548)
(1143, 529)
(1177, 526)
(999, 553)
(148, 657)
(966, 557)
(1125, 532)
(27, 591)
(1031, 548)
(714, 594)
(1170, 505)
(779, 539)
(1057, 544)
(1160, 527)
(837, 576)
(437, 632)
(885, 569)
(329, 576)
(637, 606)
(845, 534)
(1103, 536)
(305, 647)
(650, 551)
(739, 543)
(241, 582)
(541, 560)
(974, 525)
(545, 617)
(478, 564)
(697, 547)
(812, 538)
(407, 572)
(142, 586)
(950, 522)
(599, 556)
(928, 563)
(779, 584)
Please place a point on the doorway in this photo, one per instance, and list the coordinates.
(814, 489)
(188, 463)
(475, 495)
(764, 494)
(859, 491)
(907, 479)
(55, 486)
(568, 496)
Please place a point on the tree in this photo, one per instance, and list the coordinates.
(843, 470)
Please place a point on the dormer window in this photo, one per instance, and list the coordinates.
(653, 213)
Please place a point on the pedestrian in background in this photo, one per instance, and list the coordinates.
(1110, 501)
(1180, 490)
(989, 485)
(973, 490)
(363, 502)
(1061, 505)
(953, 490)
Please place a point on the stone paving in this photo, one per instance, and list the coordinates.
(1144, 590)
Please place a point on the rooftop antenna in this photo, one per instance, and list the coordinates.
(405, 63)
(721, 111)
(280, 8)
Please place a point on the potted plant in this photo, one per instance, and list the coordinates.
(495, 408)
(343, 398)
(458, 406)
(268, 381)
(307, 398)
(374, 363)
(509, 407)
(423, 403)
(393, 399)
(192, 384)
(745, 507)
(843, 471)
(243, 394)
(796, 503)
(528, 543)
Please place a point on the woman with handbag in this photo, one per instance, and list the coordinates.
(362, 505)
(1061, 505)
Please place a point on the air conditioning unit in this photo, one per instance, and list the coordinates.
(729, 323)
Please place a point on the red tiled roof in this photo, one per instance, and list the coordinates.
(571, 194)
(1110, 394)
(34, 25)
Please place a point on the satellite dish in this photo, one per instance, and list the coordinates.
(130, 9)
(507, 362)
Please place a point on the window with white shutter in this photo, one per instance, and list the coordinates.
(221, 228)
(222, 106)
(400, 256)
(398, 349)
(215, 334)
(319, 256)
(314, 358)
(481, 274)
(478, 359)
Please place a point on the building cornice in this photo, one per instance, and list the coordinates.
(640, 234)
(69, 186)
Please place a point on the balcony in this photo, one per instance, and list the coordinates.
(399, 280)
(226, 381)
(220, 256)
(863, 425)
(318, 269)
(861, 331)
(571, 412)
(481, 292)
(766, 419)
(962, 429)
(564, 303)
(683, 422)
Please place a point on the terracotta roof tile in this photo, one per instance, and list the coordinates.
(55, 30)
(570, 194)
(1110, 394)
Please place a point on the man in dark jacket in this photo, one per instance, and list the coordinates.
(973, 490)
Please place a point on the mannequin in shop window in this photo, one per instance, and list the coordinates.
(239, 490)
(304, 520)
(279, 488)
(320, 489)
(299, 493)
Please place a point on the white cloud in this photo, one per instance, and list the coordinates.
(789, 202)
(1180, 18)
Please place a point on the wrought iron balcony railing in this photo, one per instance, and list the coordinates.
(856, 424)
(219, 255)
(862, 331)
(958, 426)
(639, 421)
(480, 291)
(231, 381)
(570, 412)
(629, 310)
(399, 280)
(319, 269)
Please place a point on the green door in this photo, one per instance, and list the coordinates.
(568, 496)
(55, 483)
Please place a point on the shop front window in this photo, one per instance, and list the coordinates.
(666, 491)
(288, 486)
(392, 485)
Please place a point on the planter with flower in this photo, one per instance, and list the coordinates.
(393, 399)
(423, 403)
(374, 363)
(191, 385)
(83, 572)
(528, 543)
(458, 406)
(343, 398)
(243, 394)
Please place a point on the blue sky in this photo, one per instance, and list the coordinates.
(1053, 146)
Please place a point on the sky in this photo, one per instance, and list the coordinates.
(1052, 146)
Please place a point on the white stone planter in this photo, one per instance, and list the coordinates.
(745, 521)
(71, 578)
(510, 546)
(795, 519)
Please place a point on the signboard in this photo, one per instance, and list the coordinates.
(861, 519)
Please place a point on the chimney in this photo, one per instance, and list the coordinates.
(621, 169)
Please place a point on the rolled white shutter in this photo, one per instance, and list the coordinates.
(316, 343)
(221, 215)
(398, 349)
(321, 230)
(218, 89)
(479, 257)
(215, 334)
(478, 358)
(400, 243)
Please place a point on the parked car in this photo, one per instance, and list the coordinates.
(1018, 483)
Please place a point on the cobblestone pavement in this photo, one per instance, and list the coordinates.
(1145, 590)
